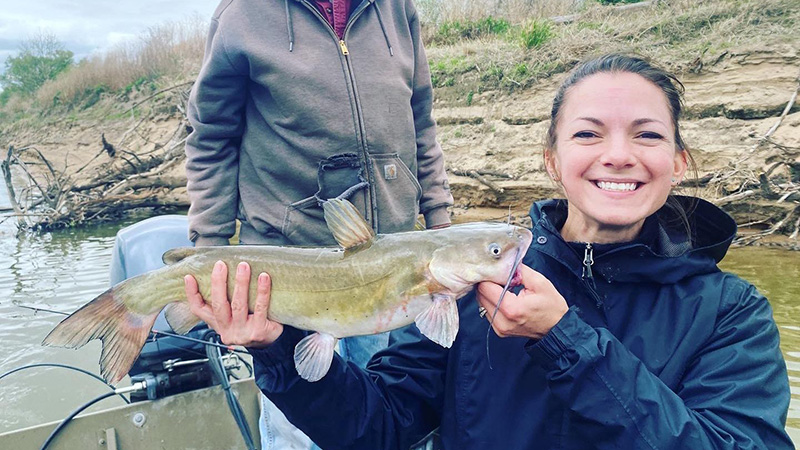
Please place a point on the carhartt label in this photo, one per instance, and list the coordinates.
(390, 171)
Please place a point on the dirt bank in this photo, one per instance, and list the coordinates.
(492, 139)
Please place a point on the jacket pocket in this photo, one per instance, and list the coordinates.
(397, 193)
(304, 224)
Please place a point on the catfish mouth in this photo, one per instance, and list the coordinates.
(617, 186)
(513, 276)
(516, 278)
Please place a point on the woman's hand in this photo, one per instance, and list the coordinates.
(531, 313)
(232, 319)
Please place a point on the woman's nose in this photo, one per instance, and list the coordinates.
(619, 153)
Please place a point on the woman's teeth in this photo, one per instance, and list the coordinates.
(618, 187)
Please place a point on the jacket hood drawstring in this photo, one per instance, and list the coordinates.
(383, 29)
(289, 26)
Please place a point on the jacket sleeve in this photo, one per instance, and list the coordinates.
(392, 404)
(216, 114)
(436, 196)
(734, 394)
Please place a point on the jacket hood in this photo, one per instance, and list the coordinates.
(361, 4)
(671, 254)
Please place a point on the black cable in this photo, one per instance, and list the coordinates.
(64, 366)
(249, 367)
(199, 341)
(215, 360)
(71, 416)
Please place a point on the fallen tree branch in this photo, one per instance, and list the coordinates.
(763, 139)
(5, 166)
(753, 238)
(474, 174)
(493, 173)
(158, 93)
(733, 197)
(147, 182)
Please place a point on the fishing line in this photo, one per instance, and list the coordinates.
(517, 260)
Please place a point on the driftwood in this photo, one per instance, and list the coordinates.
(125, 180)
(481, 176)
(180, 85)
(767, 186)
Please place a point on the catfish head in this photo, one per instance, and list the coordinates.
(475, 252)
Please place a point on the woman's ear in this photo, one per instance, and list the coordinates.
(679, 170)
(550, 164)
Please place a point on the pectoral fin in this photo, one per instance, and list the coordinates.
(439, 322)
(313, 356)
(180, 318)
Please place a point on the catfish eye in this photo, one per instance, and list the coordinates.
(494, 250)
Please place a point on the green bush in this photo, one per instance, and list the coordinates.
(535, 34)
(450, 32)
(93, 95)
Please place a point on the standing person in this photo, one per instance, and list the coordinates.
(625, 334)
(299, 101)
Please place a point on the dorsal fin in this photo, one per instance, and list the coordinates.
(347, 225)
(177, 254)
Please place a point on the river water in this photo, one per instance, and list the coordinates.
(63, 270)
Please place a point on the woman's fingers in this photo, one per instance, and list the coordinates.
(196, 303)
(489, 294)
(219, 292)
(532, 279)
(261, 307)
(532, 312)
(239, 307)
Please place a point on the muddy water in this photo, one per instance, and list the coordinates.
(63, 270)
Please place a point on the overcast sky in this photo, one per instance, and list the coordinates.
(90, 25)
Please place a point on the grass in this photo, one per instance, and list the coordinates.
(452, 32)
(535, 33)
(673, 34)
(473, 46)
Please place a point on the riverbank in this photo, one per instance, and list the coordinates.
(738, 60)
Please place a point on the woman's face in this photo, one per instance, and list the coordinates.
(615, 156)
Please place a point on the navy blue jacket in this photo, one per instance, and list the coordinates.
(659, 350)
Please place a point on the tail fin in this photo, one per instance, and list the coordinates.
(123, 332)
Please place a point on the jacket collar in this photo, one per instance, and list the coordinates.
(670, 255)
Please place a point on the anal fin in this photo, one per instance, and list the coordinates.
(313, 356)
(439, 322)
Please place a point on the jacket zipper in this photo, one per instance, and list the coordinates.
(346, 53)
(588, 277)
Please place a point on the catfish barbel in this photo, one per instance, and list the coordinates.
(370, 285)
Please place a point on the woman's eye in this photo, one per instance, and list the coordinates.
(584, 135)
(651, 135)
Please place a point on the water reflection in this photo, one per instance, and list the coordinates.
(64, 270)
(776, 273)
(59, 271)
